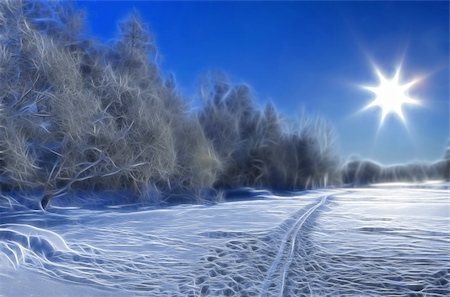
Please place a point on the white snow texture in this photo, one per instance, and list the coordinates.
(382, 240)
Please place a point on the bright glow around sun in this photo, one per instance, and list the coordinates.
(391, 95)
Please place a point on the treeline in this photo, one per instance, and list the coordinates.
(80, 114)
(363, 172)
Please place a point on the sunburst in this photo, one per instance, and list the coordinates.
(391, 95)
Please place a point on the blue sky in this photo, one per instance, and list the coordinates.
(311, 56)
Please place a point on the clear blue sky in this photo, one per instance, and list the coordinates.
(311, 56)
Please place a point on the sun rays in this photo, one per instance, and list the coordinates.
(390, 95)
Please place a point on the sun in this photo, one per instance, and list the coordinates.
(391, 95)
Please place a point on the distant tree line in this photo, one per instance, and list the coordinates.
(363, 172)
(76, 113)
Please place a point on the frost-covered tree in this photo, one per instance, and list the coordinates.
(79, 114)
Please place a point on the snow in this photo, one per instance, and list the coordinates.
(380, 240)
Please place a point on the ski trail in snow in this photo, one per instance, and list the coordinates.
(287, 250)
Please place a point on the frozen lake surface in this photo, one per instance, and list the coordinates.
(390, 239)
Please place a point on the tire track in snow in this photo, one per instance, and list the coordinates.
(286, 251)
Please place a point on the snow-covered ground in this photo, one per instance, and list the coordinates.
(381, 240)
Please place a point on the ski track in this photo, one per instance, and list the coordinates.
(287, 250)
